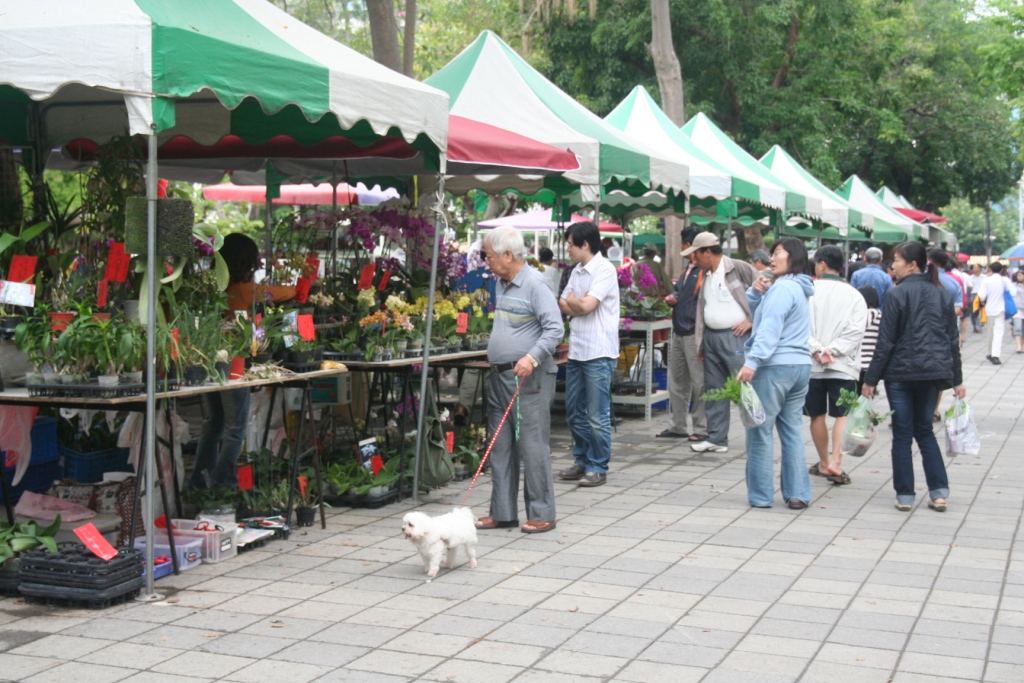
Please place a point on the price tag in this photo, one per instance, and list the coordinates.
(314, 267)
(306, 328)
(117, 263)
(17, 294)
(245, 478)
(366, 276)
(23, 268)
(303, 483)
(384, 281)
(462, 323)
(89, 535)
(11, 458)
(174, 346)
(449, 441)
(376, 464)
(101, 293)
(302, 286)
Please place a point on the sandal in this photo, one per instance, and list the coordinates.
(698, 437)
(488, 523)
(535, 527)
(669, 434)
(838, 479)
(814, 471)
(936, 417)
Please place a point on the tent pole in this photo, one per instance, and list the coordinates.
(439, 225)
(334, 208)
(149, 455)
(268, 228)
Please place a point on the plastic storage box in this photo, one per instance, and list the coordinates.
(217, 545)
(189, 550)
(88, 468)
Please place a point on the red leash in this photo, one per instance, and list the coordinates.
(487, 453)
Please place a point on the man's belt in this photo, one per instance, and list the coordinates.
(502, 367)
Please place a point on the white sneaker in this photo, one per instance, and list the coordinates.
(708, 447)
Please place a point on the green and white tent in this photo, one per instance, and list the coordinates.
(751, 180)
(891, 199)
(490, 82)
(931, 222)
(889, 226)
(640, 117)
(203, 70)
(835, 211)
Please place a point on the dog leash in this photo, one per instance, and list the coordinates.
(494, 438)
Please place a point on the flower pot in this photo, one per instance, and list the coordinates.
(59, 321)
(415, 344)
(51, 378)
(109, 380)
(261, 358)
(71, 378)
(283, 356)
(9, 323)
(378, 491)
(401, 346)
(300, 357)
(318, 355)
(134, 377)
(35, 378)
(305, 516)
(222, 370)
(237, 368)
(194, 375)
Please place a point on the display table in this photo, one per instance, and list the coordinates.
(651, 394)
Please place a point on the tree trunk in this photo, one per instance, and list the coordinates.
(12, 205)
(384, 33)
(752, 238)
(670, 83)
(409, 39)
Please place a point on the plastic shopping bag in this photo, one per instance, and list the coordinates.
(961, 430)
(751, 410)
(859, 432)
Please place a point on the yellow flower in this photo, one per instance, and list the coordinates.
(490, 316)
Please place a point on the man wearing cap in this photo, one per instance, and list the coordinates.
(724, 320)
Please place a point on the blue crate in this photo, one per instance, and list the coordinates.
(44, 441)
(88, 468)
(38, 479)
(660, 381)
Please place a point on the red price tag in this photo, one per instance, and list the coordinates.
(11, 458)
(174, 346)
(376, 464)
(306, 328)
(23, 268)
(384, 281)
(94, 541)
(117, 263)
(259, 318)
(245, 479)
(302, 286)
(366, 276)
(314, 268)
(449, 441)
(303, 483)
(101, 293)
(462, 323)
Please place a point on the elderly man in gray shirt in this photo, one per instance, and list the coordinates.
(527, 327)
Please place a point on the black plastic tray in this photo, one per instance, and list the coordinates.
(84, 390)
(60, 578)
(9, 582)
(81, 597)
(75, 559)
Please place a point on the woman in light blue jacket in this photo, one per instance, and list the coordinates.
(778, 366)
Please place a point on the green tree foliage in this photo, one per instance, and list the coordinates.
(968, 223)
(887, 89)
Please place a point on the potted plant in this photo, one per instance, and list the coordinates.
(302, 350)
(307, 500)
(18, 538)
(132, 347)
(72, 355)
(34, 337)
(216, 503)
(100, 339)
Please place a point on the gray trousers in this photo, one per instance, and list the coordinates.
(533, 449)
(685, 385)
(723, 357)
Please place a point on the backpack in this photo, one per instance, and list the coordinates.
(435, 462)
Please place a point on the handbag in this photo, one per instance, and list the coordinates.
(1010, 306)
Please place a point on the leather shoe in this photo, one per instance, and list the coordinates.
(794, 504)
(572, 473)
(593, 479)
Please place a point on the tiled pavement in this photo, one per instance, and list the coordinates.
(664, 574)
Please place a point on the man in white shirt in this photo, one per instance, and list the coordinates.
(991, 293)
(552, 273)
(974, 283)
(591, 299)
(724, 320)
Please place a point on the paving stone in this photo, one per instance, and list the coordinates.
(80, 672)
(131, 655)
(395, 663)
(275, 670)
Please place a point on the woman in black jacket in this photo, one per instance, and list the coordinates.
(918, 355)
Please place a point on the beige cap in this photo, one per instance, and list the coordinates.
(703, 240)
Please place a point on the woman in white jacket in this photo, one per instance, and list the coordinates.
(1017, 292)
(838, 315)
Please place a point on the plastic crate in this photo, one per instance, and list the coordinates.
(217, 545)
(189, 550)
(44, 441)
(88, 468)
(38, 479)
(660, 381)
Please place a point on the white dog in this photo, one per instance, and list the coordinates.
(433, 536)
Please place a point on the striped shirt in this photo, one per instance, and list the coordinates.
(526, 320)
(867, 346)
(596, 334)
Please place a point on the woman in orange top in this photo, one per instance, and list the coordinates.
(227, 412)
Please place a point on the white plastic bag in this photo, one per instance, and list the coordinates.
(859, 432)
(751, 410)
(961, 431)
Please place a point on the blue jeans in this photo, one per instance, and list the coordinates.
(782, 389)
(227, 418)
(588, 398)
(913, 404)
